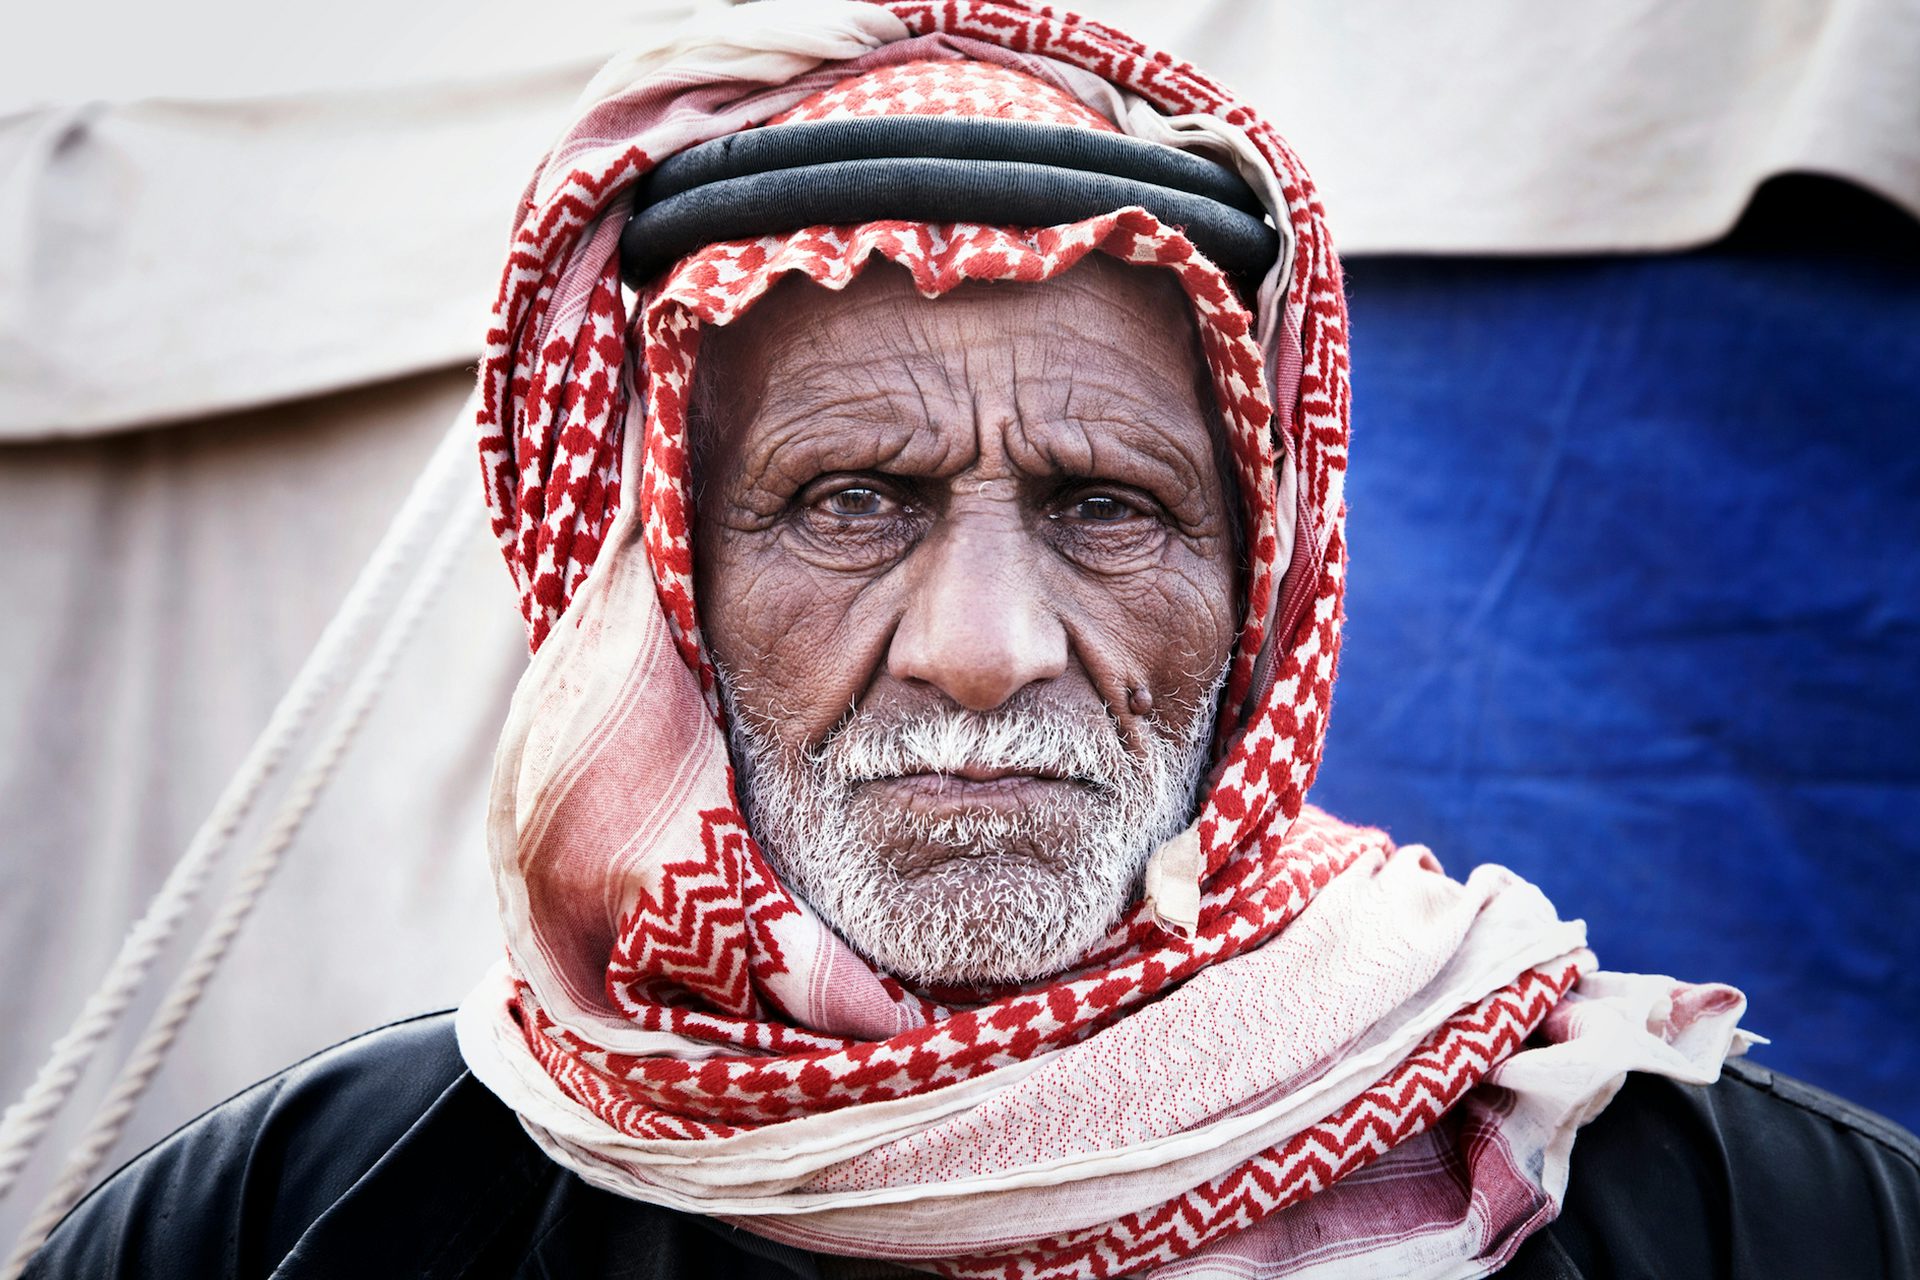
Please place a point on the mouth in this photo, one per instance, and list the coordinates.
(989, 773)
(975, 787)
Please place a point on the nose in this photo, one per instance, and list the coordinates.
(977, 625)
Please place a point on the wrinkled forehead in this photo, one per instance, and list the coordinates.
(1102, 321)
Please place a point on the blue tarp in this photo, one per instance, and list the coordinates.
(1635, 610)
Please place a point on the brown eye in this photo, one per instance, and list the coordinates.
(855, 502)
(1108, 529)
(847, 524)
(1101, 509)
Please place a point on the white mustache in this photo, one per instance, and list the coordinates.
(1038, 741)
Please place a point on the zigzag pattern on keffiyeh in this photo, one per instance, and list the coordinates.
(675, 1025)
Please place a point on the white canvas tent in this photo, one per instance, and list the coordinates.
(236, 320)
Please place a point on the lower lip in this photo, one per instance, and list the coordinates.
(931, 791)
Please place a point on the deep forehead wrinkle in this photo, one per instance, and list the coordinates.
(880, 429)
(1068, 383)
(942, 412)
(789, 316)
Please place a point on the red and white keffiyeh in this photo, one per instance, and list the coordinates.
(1304, 1050)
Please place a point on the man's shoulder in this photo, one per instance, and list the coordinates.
(232, 1191)
(1790, 1102)
(1757, 1174)
(378, 1156)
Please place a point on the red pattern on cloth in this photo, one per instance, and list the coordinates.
(704, 951)
(982, 90)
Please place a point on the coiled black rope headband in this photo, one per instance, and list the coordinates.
(928, 169)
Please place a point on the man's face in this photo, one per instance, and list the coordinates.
(967, 568)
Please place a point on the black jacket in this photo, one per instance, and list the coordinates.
(383, 1157)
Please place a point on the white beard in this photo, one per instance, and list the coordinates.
(1018, 904)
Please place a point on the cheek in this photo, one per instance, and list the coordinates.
(792, 635)
(1168, 628)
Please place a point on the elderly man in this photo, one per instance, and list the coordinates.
(934, 572)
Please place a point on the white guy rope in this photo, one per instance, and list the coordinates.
(104, 1129)
(426, 507)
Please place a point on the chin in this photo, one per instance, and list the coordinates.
(941, 909)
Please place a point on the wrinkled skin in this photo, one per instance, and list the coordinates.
(1011, 491)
